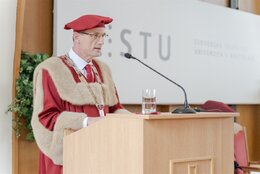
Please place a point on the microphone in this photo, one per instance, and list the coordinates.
(183, 109)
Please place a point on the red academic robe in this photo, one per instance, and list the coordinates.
(53, 105)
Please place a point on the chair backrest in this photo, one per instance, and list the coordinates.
(240, 145)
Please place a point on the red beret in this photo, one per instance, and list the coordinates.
(87, 22)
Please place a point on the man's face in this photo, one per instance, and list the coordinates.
(89, 42)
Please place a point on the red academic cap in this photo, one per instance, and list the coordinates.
(87, 22)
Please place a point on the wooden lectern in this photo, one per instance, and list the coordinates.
(200, 143)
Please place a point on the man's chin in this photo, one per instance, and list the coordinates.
(97, 54)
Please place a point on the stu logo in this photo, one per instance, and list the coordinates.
(163, 42)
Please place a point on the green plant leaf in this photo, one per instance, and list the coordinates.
(23, 102)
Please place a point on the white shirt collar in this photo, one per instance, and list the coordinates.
(79, 62)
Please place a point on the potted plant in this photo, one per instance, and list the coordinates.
(22, 104)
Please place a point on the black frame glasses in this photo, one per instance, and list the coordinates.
(95, 35)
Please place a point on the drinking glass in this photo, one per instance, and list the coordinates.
(148, 101)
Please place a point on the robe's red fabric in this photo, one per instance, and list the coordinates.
(54, 105)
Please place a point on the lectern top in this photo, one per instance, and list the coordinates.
(167, 115)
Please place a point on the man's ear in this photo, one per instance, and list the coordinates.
(75, 36)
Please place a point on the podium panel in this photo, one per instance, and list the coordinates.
(195, 165)
(147, 144)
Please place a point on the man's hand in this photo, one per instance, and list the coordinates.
(92, 120)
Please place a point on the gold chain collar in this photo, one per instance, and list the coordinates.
(99, 106)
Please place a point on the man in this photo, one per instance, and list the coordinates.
(72, 91)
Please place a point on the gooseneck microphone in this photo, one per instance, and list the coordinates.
(183, 109)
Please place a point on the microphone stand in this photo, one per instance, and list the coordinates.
(180, 110)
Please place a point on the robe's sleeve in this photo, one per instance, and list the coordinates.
(52, 103)
(49, 120)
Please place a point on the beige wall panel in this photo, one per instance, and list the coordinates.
(249, 117)
(37, 36)
(247, 5)
(138, 108)
(256, 149)
(257, 7)
(28, 157)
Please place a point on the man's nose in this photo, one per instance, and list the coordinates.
(101, 40)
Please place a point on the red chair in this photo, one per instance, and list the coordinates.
(241, 152)
(240, 142)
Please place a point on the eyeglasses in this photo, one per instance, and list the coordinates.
(95, 35)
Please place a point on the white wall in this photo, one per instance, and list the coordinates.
(212, 51)
(7, 43)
